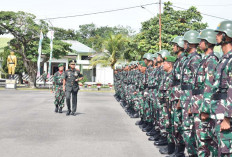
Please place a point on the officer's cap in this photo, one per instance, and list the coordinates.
(72, 62)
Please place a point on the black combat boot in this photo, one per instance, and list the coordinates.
(60, 110)
(56, 109)
(179, 151)
(153, 132)
(140, 122)
(144, 125)
(162, 141)
(169, 149)
(148, 128)
(136, 115)
(68, 112)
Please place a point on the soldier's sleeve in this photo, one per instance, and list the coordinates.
(209, 86)
(79, 74)
(65, 75)
(194, 63)
(228, 105)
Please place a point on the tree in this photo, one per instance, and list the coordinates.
(26, 32)
(112, 50)
(63, 34)
(174, 23)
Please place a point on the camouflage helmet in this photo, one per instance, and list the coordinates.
(225, 27)
(209, 35)
(179, 40)
(164, 53)
(191, 37)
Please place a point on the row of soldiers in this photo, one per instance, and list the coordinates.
(184, 102)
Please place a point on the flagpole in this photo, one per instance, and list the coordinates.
(51, 36)
(39, 53)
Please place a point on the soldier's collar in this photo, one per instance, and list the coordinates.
(227, 55)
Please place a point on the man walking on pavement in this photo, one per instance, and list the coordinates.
(71, 86)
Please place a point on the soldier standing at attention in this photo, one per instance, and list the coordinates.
(71, 86)
(57, 87)
(187, 81)
(220, 106)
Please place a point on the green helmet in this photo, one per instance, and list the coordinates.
(149, 56)
(136, 63)
(145, 56)
(164, 53)
(179, 40)
(208, 35)
(155, 55)
(119, 67)
(191, 37)
(226, 27)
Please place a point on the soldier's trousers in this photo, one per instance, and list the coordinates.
(74, 100)
(59, 96)
(207, 145)
(139, 103)
(177, 124)
(224, 139)
(147, 109)
(188, 128)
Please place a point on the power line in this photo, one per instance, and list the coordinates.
(202, 13)
(121, 9)
(208, 5)
(100, 12)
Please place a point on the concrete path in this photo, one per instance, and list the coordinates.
(30, 128)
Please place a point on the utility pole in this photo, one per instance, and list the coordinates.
(160, 41)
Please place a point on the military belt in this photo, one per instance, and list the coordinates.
(163, 91)
(219, 96)
(145, 86)
(152, 87)
(163, 100)
(186, 87)
(59, 84)
(176, 82)
(197, 91)
(11, 63)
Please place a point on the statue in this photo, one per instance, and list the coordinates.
(11, 64)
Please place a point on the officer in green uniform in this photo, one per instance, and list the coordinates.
(71, 86)
(58, 88)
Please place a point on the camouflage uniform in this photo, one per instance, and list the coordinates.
(165, 105)
(204, 135)
(218, 102)
(190, 65)
(147, 103)
(203, 79)
(58, 87)
(175, 97)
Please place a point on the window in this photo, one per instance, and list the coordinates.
(85, 58)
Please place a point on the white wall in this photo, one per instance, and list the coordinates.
(104, 75)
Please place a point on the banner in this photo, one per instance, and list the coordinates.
(50, 35)
(39, 52)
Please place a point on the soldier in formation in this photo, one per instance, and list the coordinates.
(183, 100)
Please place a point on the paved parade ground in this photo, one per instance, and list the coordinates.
(29, 127)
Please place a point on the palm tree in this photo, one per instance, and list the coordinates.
(112, 50)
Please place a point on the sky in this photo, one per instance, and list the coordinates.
(133, 17)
